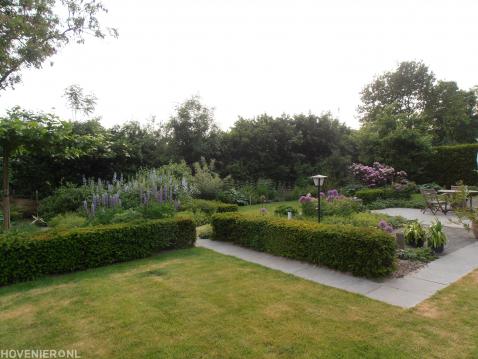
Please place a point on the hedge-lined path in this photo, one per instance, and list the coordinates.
(405, 292)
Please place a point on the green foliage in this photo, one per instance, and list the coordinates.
(365, 219)
(199, 218)
(67, 198)
(309, 209)
(43, 28)
(447, 165)
(67, 221)
(155, 210)
(54, 252)
(362, 251)
(204, 231)
(397, 191)
(417, 254)
(415, 235)
(209, 207)
(340, 207)
(207, 182)
(127, 216)
(436, 237)
(284, 210)
(368, 195)
(416, 201)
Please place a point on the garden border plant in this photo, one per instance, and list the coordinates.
(26, 257)
(365, 252)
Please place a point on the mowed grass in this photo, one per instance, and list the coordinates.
(195, 303)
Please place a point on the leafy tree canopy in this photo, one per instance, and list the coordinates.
(31, 31)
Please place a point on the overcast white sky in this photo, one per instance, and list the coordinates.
(245, 58)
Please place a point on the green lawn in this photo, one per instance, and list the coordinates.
(195, 303)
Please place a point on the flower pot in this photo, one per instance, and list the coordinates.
(474, 228)
(438, 249)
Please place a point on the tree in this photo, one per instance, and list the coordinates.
(192, 133)
(407, 88)
(452, 114)
(78, 101)
(23, 131)
(31, 31)
(390, 140)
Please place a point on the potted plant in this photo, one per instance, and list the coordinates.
(436, 238)
(414, 234)
(467, 216)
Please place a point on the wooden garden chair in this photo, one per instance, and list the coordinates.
(433, 202)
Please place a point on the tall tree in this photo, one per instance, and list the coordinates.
(31, 31)
(452, 114)
(407, 88)
(192, 132)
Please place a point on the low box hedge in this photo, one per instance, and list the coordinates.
(210, 207)
(25, 257)
(365, 252)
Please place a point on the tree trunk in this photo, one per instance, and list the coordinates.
(6, 191)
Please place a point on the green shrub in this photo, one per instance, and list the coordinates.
(447, 165)
(53, 252)
(67, 221)
(128, 215)
(368, 195)
(204, 231)
(362, 251)
(417, 254)
(68, 198)
(365, 219)
(413, 202)
(199, 218)
(156, 210)
(210, 207)
(309, 209)
(340, 207)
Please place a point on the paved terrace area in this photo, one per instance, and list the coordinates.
(461, 257)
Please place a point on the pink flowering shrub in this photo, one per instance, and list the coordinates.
(376, 175)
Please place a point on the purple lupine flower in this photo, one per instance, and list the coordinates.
(306, 199)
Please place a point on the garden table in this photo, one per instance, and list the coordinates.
(449, 192)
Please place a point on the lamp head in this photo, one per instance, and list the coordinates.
(319, 179)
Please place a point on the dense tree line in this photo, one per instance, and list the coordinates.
(404, 113)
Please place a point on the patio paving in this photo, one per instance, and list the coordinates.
(405, 292)
(448, 220)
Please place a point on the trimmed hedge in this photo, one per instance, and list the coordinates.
(28, 257)
(369, 195)
(365, 252)
(449, 164)
(210, 207)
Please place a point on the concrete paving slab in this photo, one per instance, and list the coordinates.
(405, 292)
(398, 297)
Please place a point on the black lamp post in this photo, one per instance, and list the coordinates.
(318, 181)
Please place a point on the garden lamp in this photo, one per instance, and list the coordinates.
(319, 182)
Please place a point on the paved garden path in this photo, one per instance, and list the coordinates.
(405, 292)
(448, 220)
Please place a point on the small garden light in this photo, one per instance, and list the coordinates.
(319, 182)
